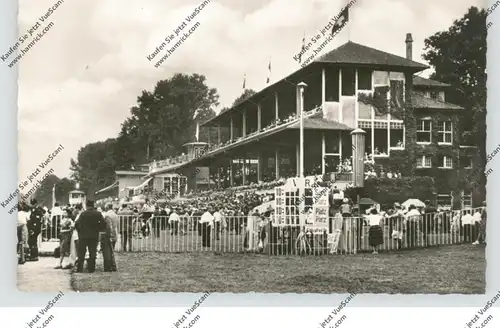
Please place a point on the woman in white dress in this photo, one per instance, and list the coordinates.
(74, 244)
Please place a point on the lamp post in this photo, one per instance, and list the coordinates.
(300, 90)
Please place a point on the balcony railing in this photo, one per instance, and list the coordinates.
(182, 159)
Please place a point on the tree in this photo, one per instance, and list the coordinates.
(247, 93)
(164, 119)
(62, 188)
(458, 56)
(95, 166)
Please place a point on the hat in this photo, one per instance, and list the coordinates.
(398, 205)
(346, 200)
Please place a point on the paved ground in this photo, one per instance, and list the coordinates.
(41, 276)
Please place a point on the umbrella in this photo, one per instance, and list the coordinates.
(367, 201)
(413, 201)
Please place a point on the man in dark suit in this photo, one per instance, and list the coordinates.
(34, 228)
(88, 226)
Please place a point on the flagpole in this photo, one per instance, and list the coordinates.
(53, 195)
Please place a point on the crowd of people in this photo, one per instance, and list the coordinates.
(407, 223)
(96, 229)
(78, 230)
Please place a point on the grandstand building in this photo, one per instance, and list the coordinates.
(263, 140)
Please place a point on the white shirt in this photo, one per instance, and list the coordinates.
(467, 219)
(374, 219)
(56, 211)
(174, 217)
(477, 217)
(413, 215)
(22, 218)
(207, 218)
(217, 217)
(167, 210)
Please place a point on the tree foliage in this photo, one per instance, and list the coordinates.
(458, 56)
(159, 124)
(44, 193)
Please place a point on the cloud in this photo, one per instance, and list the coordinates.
(78, 83)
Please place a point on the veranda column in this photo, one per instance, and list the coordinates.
(218, 135)
(277, 162)
(259, 117)
(276, 108)
(231, 175)
(231, 130)
(259, 166)
(244, 171)
(244, 127)
(358, 151)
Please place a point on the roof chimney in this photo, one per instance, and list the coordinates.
(409, 46)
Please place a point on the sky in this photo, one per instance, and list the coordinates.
(79, 81)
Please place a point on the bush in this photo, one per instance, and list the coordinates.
(387, 191)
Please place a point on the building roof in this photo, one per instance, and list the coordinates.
(319, 123)
(349, 53)
(354, 53)
(420, 101)
(423, 82)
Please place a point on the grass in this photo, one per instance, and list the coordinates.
(443, 270)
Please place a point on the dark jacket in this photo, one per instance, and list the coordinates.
(35, 222)
(89, 224)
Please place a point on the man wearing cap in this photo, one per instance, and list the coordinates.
(217, 222)
(34, 226)
(89, 224)
(126, 227)
(481, 238)
(173, 221)
(206, 222)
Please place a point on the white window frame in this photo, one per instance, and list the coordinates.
(444, 133)
(420, 129)
(468, 197)
(436, 94)
(423, 166)
(443, 163)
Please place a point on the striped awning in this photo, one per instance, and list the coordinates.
(114, 185)
(142, 185)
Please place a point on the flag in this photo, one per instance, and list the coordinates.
(53, 196)
(269, 72)
(197, 131)
(244, 81)
(303, 49)
(341, 20)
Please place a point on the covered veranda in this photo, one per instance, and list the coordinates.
(267, 157)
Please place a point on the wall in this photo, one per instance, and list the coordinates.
(127, 181)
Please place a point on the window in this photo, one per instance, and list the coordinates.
(365, 110)
(397, 99)
(467, 162)
(424, 131)
(332, 84)
(332, 142)
(364, 79)
(424, 162)
(166, 184)
(434, 95)
(445, 162)
(445, 132)
(397, 136)
(467, 199)
(348, 82)
(444, 201)
(380, 141)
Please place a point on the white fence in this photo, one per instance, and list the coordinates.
(233, 234)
